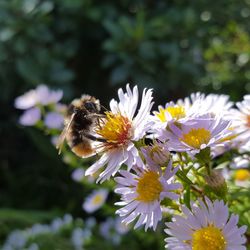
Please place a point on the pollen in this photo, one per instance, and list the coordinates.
(116, 129)
(208, 238)
(149, 187)
(176, 112)
(196, 137)
(242, 175)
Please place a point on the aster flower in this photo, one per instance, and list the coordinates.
(170, 112)
(78, 174)
(240, 171)
(30, 117)
(120, 129)
(142, 193)
(53, 120)
(95, 200)
(196, 134)
(201, 104)
(207, 226)
(41, 95)
(241, 120)
(242, 177)
(242, 161)
(196, 105)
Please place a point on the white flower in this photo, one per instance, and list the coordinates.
(242, 177)
(241, 120)
(242, 161)
(122, 126)
(207, 226)
(196, 105)
(142, 193)
(41, 95)
(53, 120)
(196, 134)
(30, 117)
(78, 174)
(95, 200)
(201, 104)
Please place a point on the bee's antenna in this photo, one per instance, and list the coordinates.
(103, 107)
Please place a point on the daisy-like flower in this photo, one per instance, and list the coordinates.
(196, 134)
(53, 120)
(242, 177)
(241, 120)
(195, 105)
(207, 227)
(142, 193)
(95, 200)
(171, 111)
(122, 127)
(30, 117)
(201, 104)
(41, 95)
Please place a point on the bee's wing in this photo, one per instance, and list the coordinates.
(64, 134)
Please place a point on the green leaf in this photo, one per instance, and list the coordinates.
(186, 196)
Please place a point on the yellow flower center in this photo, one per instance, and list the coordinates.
(116, 129)
(242, 175)
(196, 137)
(149, 187)
(208, 238)
(176, 112)
(97, 199)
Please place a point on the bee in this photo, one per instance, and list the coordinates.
(81, 118)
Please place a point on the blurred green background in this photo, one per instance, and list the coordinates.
(89, 46)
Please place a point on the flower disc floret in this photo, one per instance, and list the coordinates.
(242, 175)
(208, 238)
(149, 187)
(116, 130)
(176, 112)
(196, 137)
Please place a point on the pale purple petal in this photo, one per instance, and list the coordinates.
(54, 120)
(30, 117)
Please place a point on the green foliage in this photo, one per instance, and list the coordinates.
(50, 242)
(11, 219)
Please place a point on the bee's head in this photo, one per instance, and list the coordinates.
(90, 106)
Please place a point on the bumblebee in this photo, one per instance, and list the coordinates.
(82, 116)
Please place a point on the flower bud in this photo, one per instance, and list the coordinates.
(217, 183)
(156, 154)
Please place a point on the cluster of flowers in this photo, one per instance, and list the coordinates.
(167, 158)
(198, 129)
(22, 239)
(41, 103)
(81, 232)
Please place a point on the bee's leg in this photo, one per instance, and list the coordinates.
(96, 115)
(92, 137)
